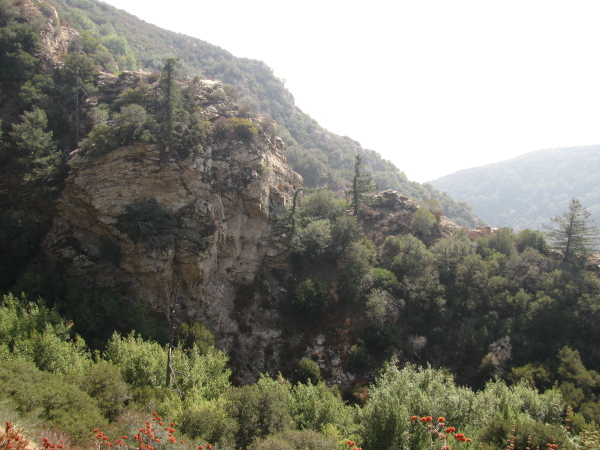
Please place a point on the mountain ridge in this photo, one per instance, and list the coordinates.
(525, 191)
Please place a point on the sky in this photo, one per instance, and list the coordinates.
(435, 86)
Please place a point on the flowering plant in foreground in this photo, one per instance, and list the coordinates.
(439, 432)
(154, 433)
(351, 445)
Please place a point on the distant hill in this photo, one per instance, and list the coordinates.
(524, 192)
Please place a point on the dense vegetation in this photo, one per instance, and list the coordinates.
(524, 192)
(54, 387)
(419, 314)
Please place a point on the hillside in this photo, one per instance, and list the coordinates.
(119, 41)
(524, 192)
(162, 262)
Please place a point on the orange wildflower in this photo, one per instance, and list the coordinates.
(441, 419)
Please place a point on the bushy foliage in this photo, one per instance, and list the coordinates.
(311, 242)
(259, 410)
(311, 298)
(308, 371)
(59, 403)
(295, 440)
(235, 127)
(316, 407)
(531, 238)
(208, 420)
(399, 392)
(148, 221)
(423, 222)
(144, 363)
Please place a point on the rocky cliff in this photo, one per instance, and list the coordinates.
(227, 206)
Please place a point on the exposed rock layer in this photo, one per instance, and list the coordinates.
(228, 203)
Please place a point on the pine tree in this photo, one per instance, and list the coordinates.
(170, 100)
(80, 76)
(574, 233)
(361, 184)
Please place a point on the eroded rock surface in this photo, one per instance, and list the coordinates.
(228, 203)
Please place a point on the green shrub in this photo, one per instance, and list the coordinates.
(296, 440)
(359, 356)
(128, 97)
(60, 404)
(312, 241)
(532, 238)
(259, 410)
(99, 141)
(524, 432)
(131, 125)
(141, 363)
(315, 406)
(384, 279)
(423, 222)
(311, 299)
(308, 371)
(322, 204)
(244, 128)
(103, 382)
(192, 333)
(148, 221)
(208, 420)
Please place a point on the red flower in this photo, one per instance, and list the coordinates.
(441, 419)
(468, 440)
(155, 414)
(208, 447)
(181, 442)
(413, 418)
(460, 437)
(200, 447)
(450, 430)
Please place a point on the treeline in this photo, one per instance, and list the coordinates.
(53, 386)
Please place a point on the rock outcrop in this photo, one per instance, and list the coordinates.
(228, 204)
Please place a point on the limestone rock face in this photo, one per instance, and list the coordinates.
(227, 202)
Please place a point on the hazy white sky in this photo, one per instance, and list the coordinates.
(434, 86)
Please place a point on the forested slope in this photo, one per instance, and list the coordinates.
(525, 192)
(176, 205)
(120, 41)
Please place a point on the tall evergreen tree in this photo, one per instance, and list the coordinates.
(361, 184)
(80, 76)
(574, 233)
(171, 100)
